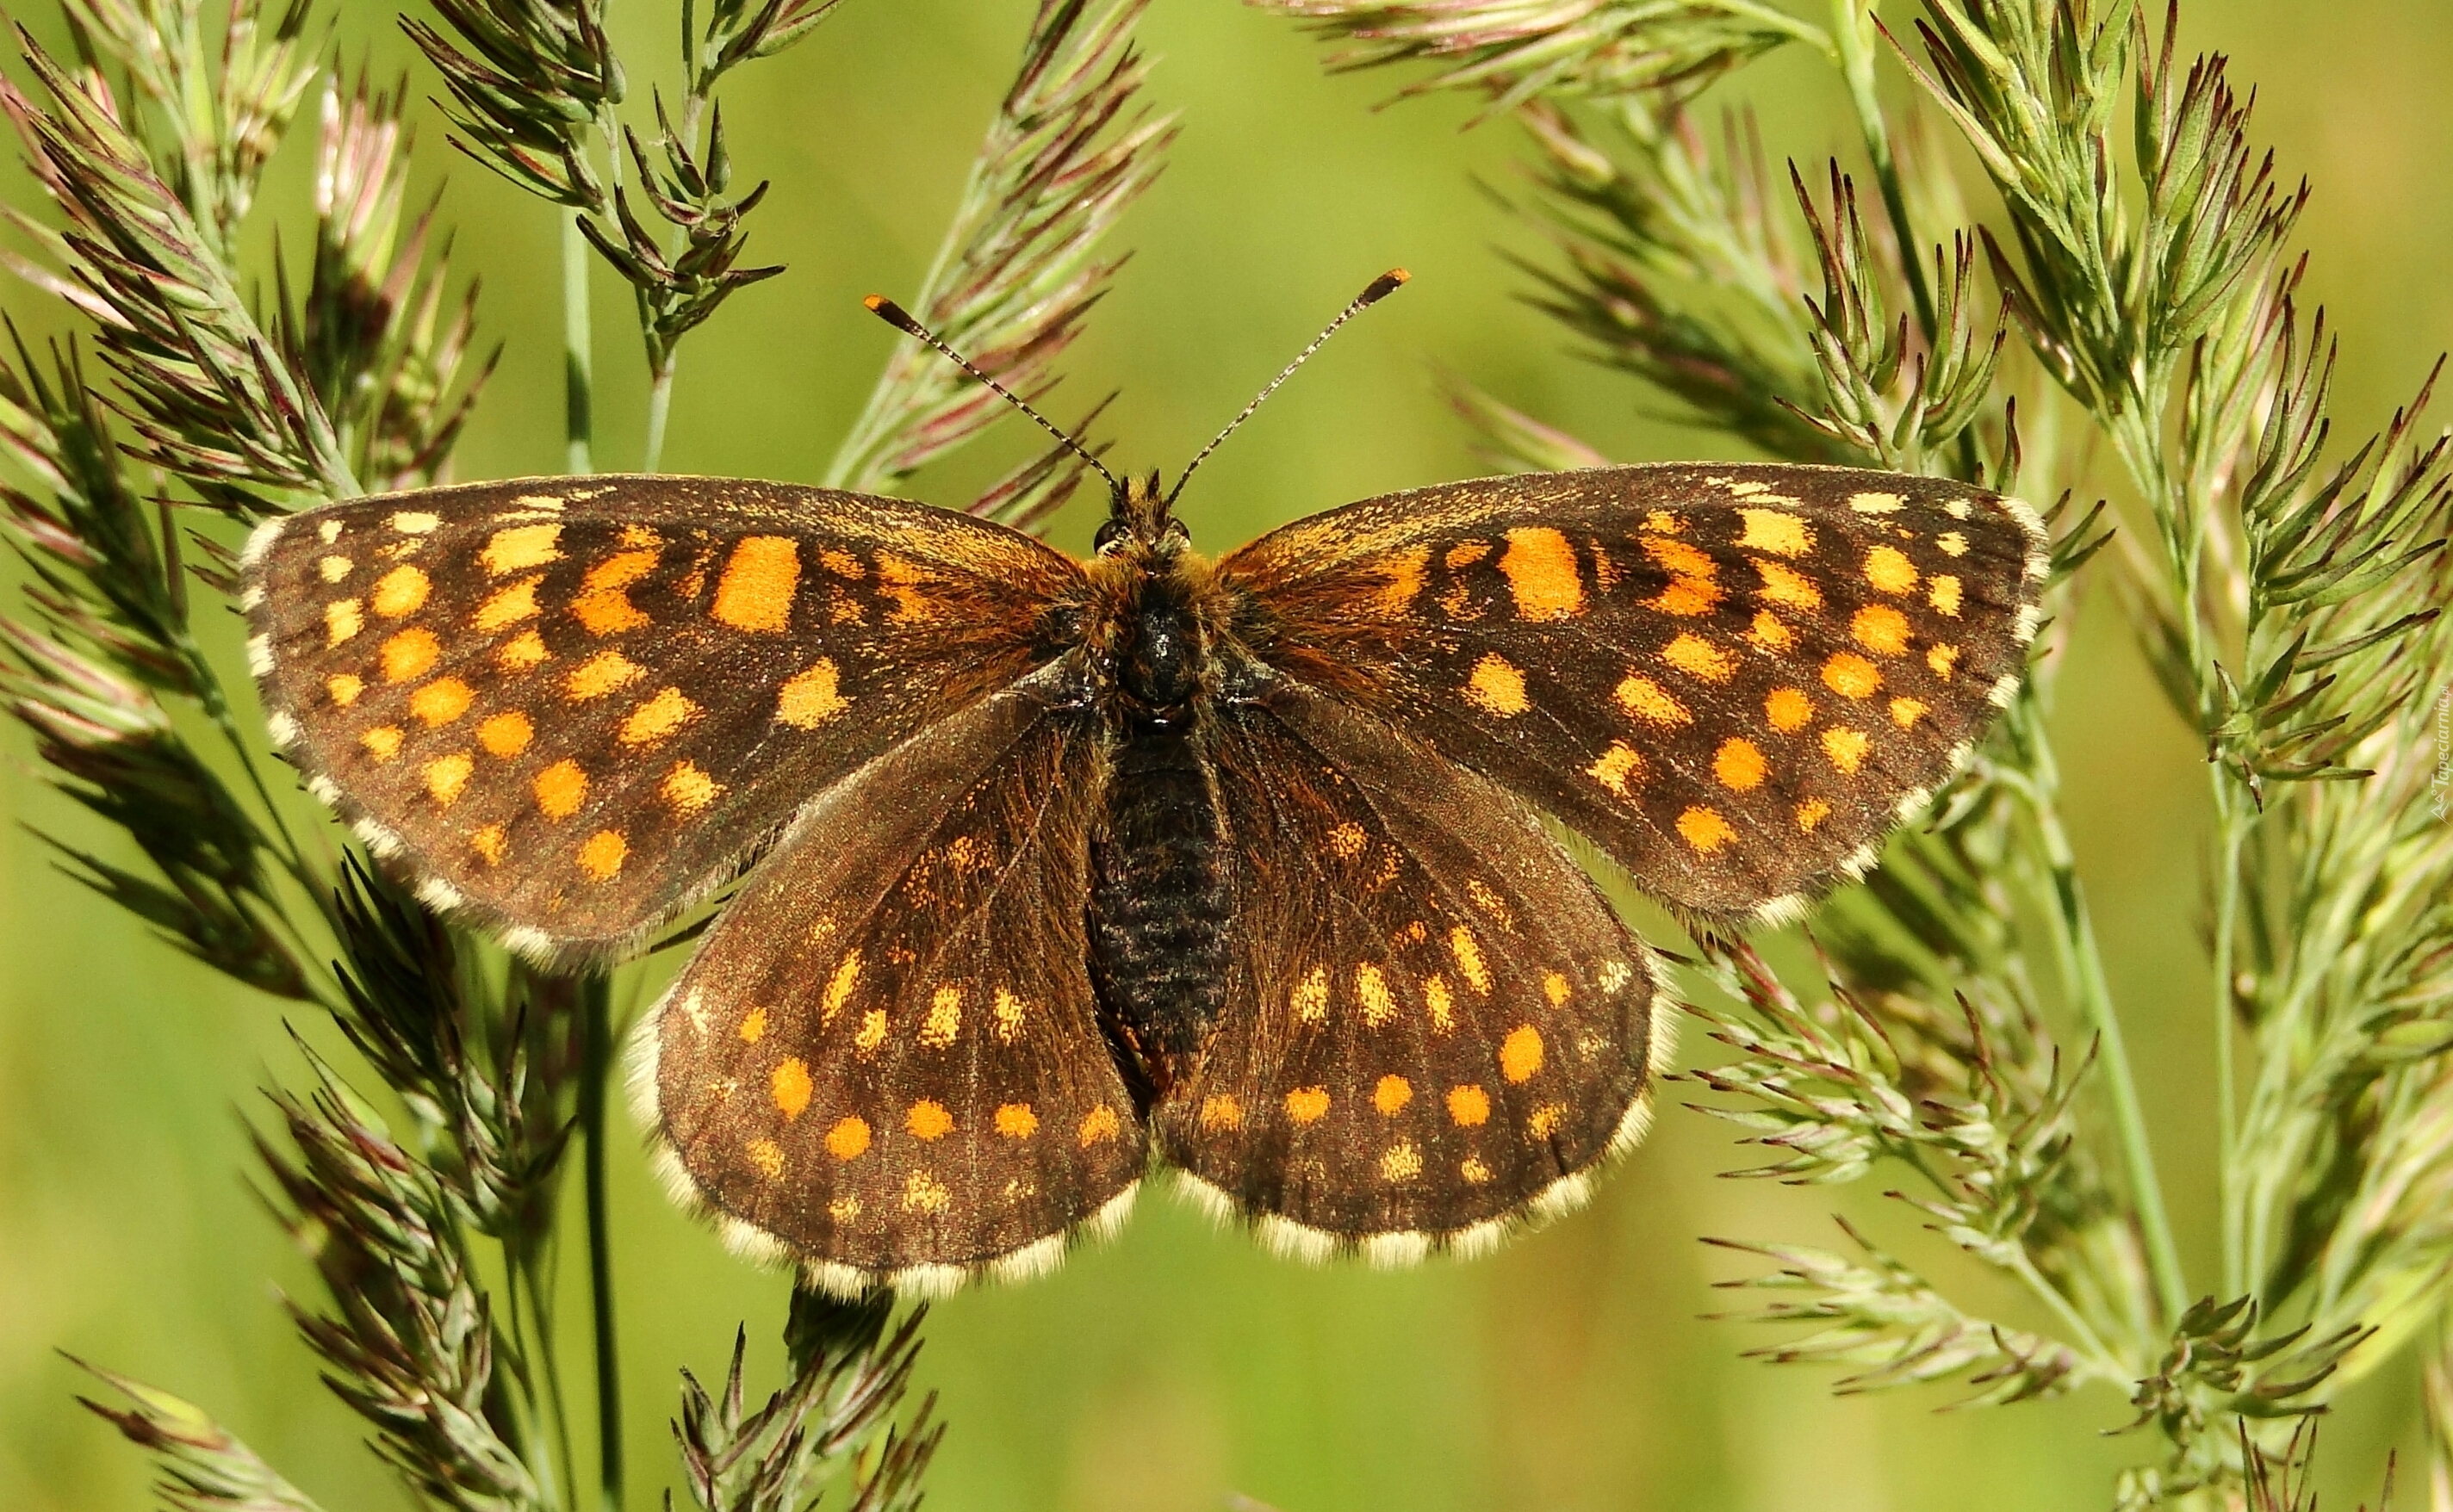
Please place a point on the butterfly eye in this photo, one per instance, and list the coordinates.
(1112, 534)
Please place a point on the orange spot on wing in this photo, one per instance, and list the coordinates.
(521, 652)
(1851, 676)
(811, 697)
(848, 1139)
(1788, 710)
(1617, 766)
(1099, 1123)
(1810, 813)
(507, 606)
(601, 855)
(1705, 830)
(490, 844)
(1645, 699)
(1403, 571)
(1698, 658)
(1220, 1111)
(1880, 629)
(1520, 1054)
(507, 734)
(1739, 765)
(1468, 1105)
(1769, 634)
(929, 1120)
(1307, 1104)
(755, 593)
(410, 655)
(560, 790)
(1497, 686)
(1391, 1094)
(401, 592)
(600, 674)
(442, 701)
(790, 1088)
(1846, 747)
(604, 603)
(1542, 574)
(445, 776)
(658, 718)
(753, 1026)
(1889, 570)
(689, 790)
(1785, 585)
(1015, 1121)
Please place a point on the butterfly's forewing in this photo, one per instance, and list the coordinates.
(1435, 1020)
(886, 1056)
(1734, 679)
(573, 704)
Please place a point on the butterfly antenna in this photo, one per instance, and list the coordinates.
(901, 319)
(1380, 287)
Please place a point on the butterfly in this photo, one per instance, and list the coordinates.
(1051, 869)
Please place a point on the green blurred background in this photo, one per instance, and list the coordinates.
(1181, 1365)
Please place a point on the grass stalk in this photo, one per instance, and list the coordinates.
(596, 1069)
(2233, 829)
(578, 356)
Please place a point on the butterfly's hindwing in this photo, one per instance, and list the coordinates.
(1435, 1020)
(572, 704)
(1735, 679)
(885, 1058)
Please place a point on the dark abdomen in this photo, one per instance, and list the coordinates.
(1159, 901)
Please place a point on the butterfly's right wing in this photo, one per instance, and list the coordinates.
(885, 1059)
(1434, 1020)
(570, 704)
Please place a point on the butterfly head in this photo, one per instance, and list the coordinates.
(1141, 522)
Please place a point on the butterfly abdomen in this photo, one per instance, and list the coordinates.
(1159, 901)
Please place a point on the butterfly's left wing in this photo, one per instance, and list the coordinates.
(1734, 679)
(569, 705)
(1433, 1019)
(885, 1059)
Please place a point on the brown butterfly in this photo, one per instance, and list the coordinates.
(1066, 865)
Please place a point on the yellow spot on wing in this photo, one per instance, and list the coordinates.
(1705, 830)
(1347, 840)
(1436, 1003)
(1497, 686)
(343, 618)
(1776, 531)
(490, 845)
(1403, 571)
(1770, 634)
(1307, 1104)
(1810, 813)
(1468, 951)
(600, 855)
(1645, 699)
(791, 1087)
(508, 605)
(767, 1156)
(1616, 765)
(688, 789)
(1545, 1119)
(924, 1193)
(521, 652)
(445, 776)
(1880, 629)
(411, 655)
(1740, 765)
(812, 698)
(442, 701)
(382, 742)
(1220, 1111)
(839, 986)
(1391, 1094)
(944, 1019)
(1942, 659)
(600, 674)
(848, 1139)
(1698, 657)
(1847, 747)
(658, 718)
(334, 569)
(929, 1120)
(872, 1031)
(1786, 587)
(412, 522)
(1468, 1105)
(1099, 1123)
(506, 734)
(560, 790)
(1520, 1054)
(1541, 570)
(755, 593)
(1906, 712)
(1474, 1171)
(1015, 1121)
(1007, 1014)
(1875, 503)
(1851, 676)
(521, 547)
(1943, 595)
(1402, 1161)
(344, 688)
(401, 592)
(1311, 995)
(1888, 568)
(1788, 710)
(1556, 987)
(1371, 990)
(1953, 543)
